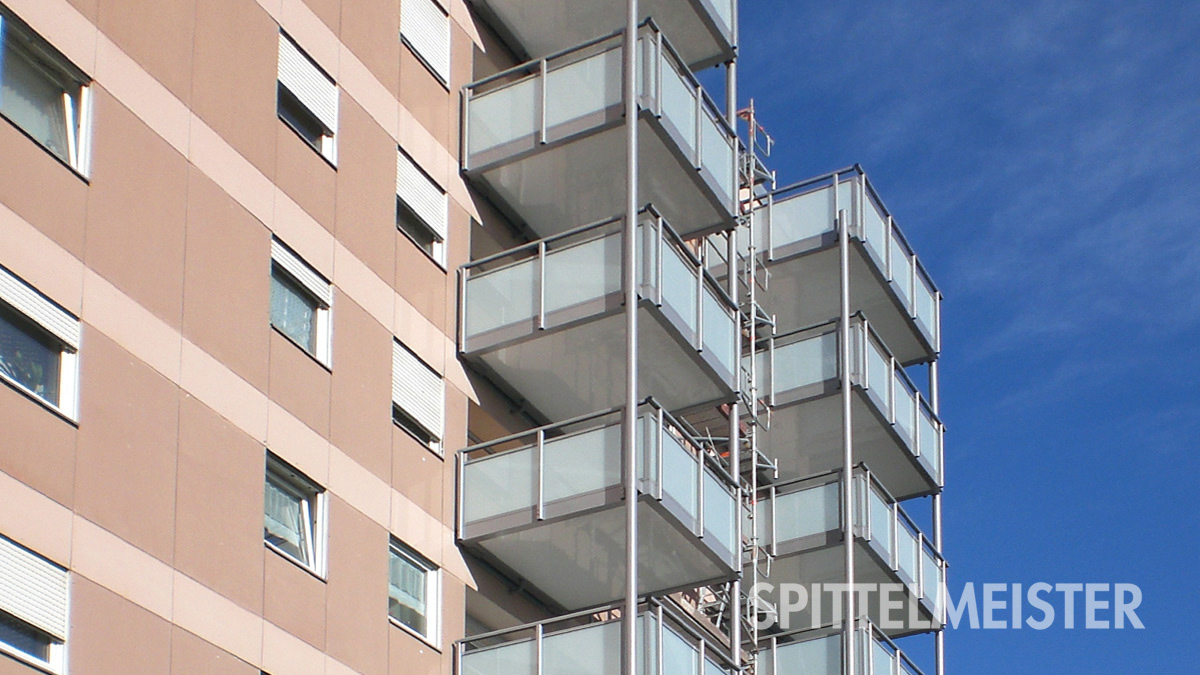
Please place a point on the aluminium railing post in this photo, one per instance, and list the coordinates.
(629, 274)
(539, 636)
(658, 61)
(735, 443)
(540, 451)
(847, 430)
(659, 458)
(541, 297)
(543, 79)
(658, 609)
(939, 644)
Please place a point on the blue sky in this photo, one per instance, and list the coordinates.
(1044, 160)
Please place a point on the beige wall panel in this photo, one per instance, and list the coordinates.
(125, 471)
(233, 88)
(136, 210)
(304, 175)
(41, 189)
(329, 11)
(408, 655)
(416, 473)
(357, 594)
(299, 383)
(371, 29)
(360, 416)
(157, 34)
(226, 307)
(366, 190)
(38, 446)
(427, 99)
(420, 281)
(109, 634)
(192, 656)
(294, 599)
(218, 535)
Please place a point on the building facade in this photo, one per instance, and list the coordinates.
(432, 336)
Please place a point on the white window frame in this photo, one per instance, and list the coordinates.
(316, 92)
(60, 325)
(433, 593)
(418, 193)
(35, 593)
(79, 131)
(425, 28)
(312, 496)
(319, 290)
(431, 421)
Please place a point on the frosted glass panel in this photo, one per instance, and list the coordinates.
(878, 375)
(583, 88)
(881, 660)
(929, 443)
(499, 484)
(906, 408)
(512, 659)
(875, 230)
(503, 115)
(583, 272)
(823, 655)
(679, 473)
(717, 154)
(906, 552)
(582, 463)
(806, 362)
(595, 650)
(881, 524)
(679, 288)
(501, 297)
(719, 507)
(902, 272)
(926, 308)
(679, 106)
(719, 330)
(807, 512)
(799, 218)
(930, 578)
(679, 657)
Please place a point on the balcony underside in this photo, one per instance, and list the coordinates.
(806, 438)
(554, 25)
(555, 187)
(805, 290)
(824, 562)
(578, 560)
(580, 368)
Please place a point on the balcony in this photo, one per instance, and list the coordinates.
(703, 28)
(546, 140)
(547, 506)
(798, 241)
(546, 319)
(894, 430)
(819, 652)
(589, 643)
(801, 524)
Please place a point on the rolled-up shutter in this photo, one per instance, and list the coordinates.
(421, 194)
(313, 88)
(418, 390)
(426, 28)
(301, 272)
(23, 298)
(33, 589)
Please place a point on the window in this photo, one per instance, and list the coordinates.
(421, 208)
(293, 515)
(418, 397)
(425, 28)
(414, 592)
(39, 342)
(33, 607)
(307, 99)
(43, 94)
(300, 303)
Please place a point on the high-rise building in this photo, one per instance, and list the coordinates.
(432, 336)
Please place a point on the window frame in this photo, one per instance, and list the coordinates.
(433, 592)
(44, 585)
(415, 189)
(320, 84)
(77, 101)
(56, 649)
(405, 218)
(45, 321)
(314, 499)
(423, 58)
(432, 439)
(307, 281)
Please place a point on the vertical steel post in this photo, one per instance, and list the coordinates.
(847, 433)
(629, 273)
(735, 444)
(939, 644)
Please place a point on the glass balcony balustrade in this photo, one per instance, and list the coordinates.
(894, 429)
(819, 652)
(704, 29)
(547, 506)
(547, 320)
(545, 140)
(590, 644)
(800, 523)
(797, 239)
